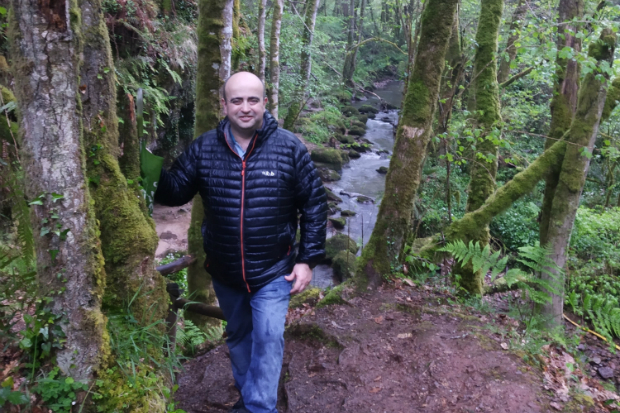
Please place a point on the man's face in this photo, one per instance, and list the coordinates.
(245, 102)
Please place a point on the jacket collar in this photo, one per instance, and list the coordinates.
(270, 125)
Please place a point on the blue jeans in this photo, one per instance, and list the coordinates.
(256, 340)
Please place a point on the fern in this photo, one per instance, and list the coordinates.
(190, 337)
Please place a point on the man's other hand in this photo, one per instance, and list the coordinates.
(302, 274)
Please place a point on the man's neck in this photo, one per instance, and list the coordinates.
(242, 138)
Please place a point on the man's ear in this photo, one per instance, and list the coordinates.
(266, 101)
(224, 107)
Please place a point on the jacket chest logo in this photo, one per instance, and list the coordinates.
(268, 173)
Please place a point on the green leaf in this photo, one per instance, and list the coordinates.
(53, 254)
(69, 380)
(2, 11)
(56, 197)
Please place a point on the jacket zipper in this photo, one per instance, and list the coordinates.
(242, 201)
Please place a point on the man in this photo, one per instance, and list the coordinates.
(254, 178)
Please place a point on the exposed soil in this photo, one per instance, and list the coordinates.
(395, 350)
(171, 224)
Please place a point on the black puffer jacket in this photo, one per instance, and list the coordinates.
(251, 206)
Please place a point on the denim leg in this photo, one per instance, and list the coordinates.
(235, 305)
(269, 308)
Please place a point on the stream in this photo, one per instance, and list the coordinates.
(360, 177)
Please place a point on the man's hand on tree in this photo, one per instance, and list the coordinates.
(302, 274)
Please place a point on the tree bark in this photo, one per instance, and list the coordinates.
(487, 106)
(298, 102)
(215, 21)
(46, 55)
(511, 50)
(413, 134)
(127, 234)
(262, 52)
(351, 56)
(274, 56)
(564, 102)
(582, 135)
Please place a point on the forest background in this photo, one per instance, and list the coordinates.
(489, 87)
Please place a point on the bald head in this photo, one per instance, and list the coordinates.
(244, 104)
(242, 79)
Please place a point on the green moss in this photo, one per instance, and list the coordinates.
(350, 111)
(357, 131)
(338, 223)
(337, 243)
(368, 109)
(344, 265)
(333, 297)
(331, 196)
(328, 156)
(309, 296)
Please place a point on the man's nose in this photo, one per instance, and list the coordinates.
(245, 106)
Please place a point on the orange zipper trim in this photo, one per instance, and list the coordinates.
(242, 201)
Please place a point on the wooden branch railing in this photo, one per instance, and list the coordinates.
(179, 303)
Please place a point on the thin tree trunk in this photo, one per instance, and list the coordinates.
(511, 50)
(582, 134)
(128, 234)
(487, 107)
(564, 102)
(46, 86)
(306, 65)
(215, 22)
(412, 137)
(351, 56)
(274, 52)
(262, 52)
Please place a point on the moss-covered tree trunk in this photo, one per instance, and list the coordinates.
(485, 100)
(511, 49)
(298, 101)
(46, 49)
(128, 234)
(215, 21)
(274, 56)
(413, 134)
(564, 102)
(262, 51)
(581, 136)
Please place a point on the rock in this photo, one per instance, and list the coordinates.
(332, 208)
(330, 157)
(371, 116)
(346, 139)
(350, 111)
(348, 213)
(595, 360)
(168, 235)
(331, 196)
(338, 223)
(362, 199)
(368, 109)
(606, 372)
(354, 154)
(357, 130)
(382, 170)
(328, 175)
(359, 123)
(345, 193)
(364, 147)
(344, 265)
(308, 296)
(337, 243)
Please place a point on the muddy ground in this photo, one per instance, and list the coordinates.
(395, 350)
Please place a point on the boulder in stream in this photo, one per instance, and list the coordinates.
(337, 243)
(348, 213)
(363, 199)
(338, 223)
(368, 109)
(331, 196)
(328, 175)
(344, 265)
(382, 170)
(328, 156)
(354, 154)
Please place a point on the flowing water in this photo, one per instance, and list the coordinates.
(360, 177)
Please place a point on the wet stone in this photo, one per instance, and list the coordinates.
(338, 223)
(606, 372)
(348, 213)
(364, 199)
(383, 170)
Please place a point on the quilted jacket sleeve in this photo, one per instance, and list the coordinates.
(178, 185)
(311, 202)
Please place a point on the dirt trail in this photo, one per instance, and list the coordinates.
(171, 224)
(396, 350)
